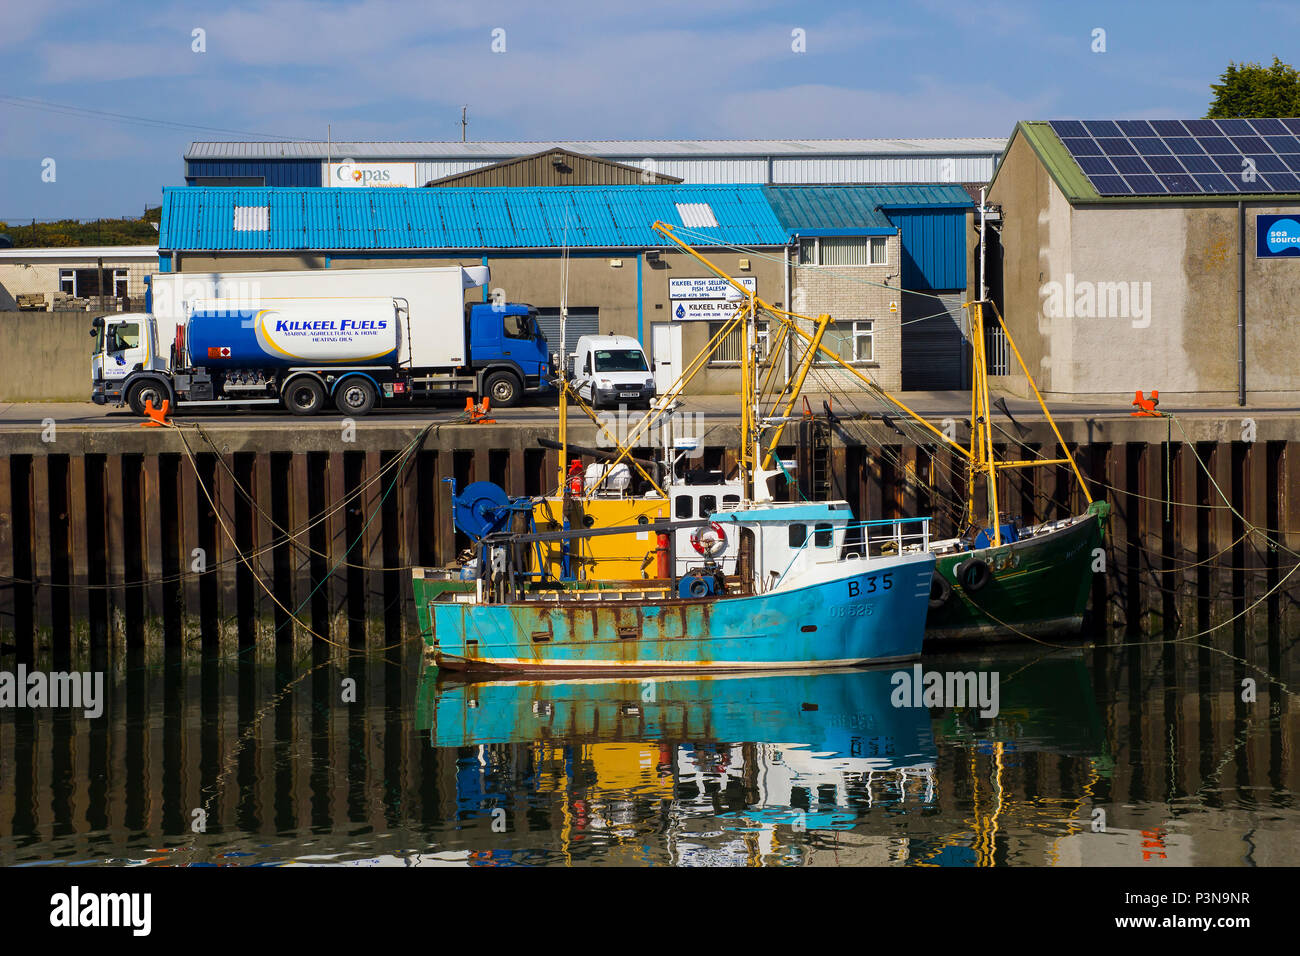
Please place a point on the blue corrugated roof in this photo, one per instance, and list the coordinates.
(806, 208)
(801, 208)
(922, 194)
(203, 218)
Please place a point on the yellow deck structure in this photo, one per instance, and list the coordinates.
(615, 557)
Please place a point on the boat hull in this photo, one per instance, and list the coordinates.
(1038, 587)
(850, 619)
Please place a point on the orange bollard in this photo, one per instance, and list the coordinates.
(1147, 406)
(157, 416)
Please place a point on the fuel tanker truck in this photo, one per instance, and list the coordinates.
(346, 338)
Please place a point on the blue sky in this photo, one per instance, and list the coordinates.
(381, 69)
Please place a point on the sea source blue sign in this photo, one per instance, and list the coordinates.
(1277, 236)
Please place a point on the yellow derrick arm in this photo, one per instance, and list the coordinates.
(624, 451)
(823, 350)
(691, 370)
(1042, 404)
(805, 365)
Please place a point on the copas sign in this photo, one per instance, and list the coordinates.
(356, 175)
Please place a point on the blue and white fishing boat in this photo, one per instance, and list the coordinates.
(803, 584)
(804, 595)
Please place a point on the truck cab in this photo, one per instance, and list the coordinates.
(611, 370)
(507, 347)
(125, 343)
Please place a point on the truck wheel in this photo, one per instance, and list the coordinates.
(145, 391)
(356, 396)
(503, 388)
(304, 396)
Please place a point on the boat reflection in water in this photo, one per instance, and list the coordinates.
(741, 770)
(740, 755)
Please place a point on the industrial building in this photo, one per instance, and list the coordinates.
(847, 250)
(75, 277)
(815, 161)
(1161, 254)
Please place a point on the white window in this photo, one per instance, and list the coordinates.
(252, 218)
(68, 281)
(844, 251)
(119, 283)
(696, 215)
(730, 349)
(851, 341)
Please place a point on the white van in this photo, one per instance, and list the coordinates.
(610, 370)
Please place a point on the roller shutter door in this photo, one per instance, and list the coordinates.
(582, 321)
(935, 355)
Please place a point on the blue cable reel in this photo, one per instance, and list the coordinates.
(480, 509)
(484, 508)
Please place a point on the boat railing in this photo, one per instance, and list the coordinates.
(882, 538)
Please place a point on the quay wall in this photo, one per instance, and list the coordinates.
(214, 540)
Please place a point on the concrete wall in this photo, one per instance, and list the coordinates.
(46, 356)
(1104, 300)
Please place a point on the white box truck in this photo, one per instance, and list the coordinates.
(306, 339)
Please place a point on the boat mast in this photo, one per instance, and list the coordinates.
(749, 437)
(563, 366)
(981, 435)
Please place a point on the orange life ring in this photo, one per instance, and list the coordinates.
(702, 548)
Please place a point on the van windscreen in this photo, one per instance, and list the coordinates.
(620, 360)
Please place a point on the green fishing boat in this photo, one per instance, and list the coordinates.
(1035, 586)
(1005, 580)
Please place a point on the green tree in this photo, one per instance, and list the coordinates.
(1251, 89)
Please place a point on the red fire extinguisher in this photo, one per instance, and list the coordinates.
(575, 478)
(663, 564)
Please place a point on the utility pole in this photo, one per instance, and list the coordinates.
(984, 289)
(464, 123)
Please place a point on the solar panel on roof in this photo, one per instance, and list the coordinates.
(1180, 184)
(1267, 163)
(1217, 145)
(1065, 128)
(1133, 128)
(1113, 146)
(1268, 127)
(1110, 185)
(1100, 128)
(1130, 164)
(1215, 183)
(1185, 157)
(1165, 164)
(1096, 165)
(1082, 146)
(1151, 146)
(1249, 144)
(1144, 185)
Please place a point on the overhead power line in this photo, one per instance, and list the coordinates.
(106, 116)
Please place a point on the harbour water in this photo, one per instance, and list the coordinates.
(1132, 751)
